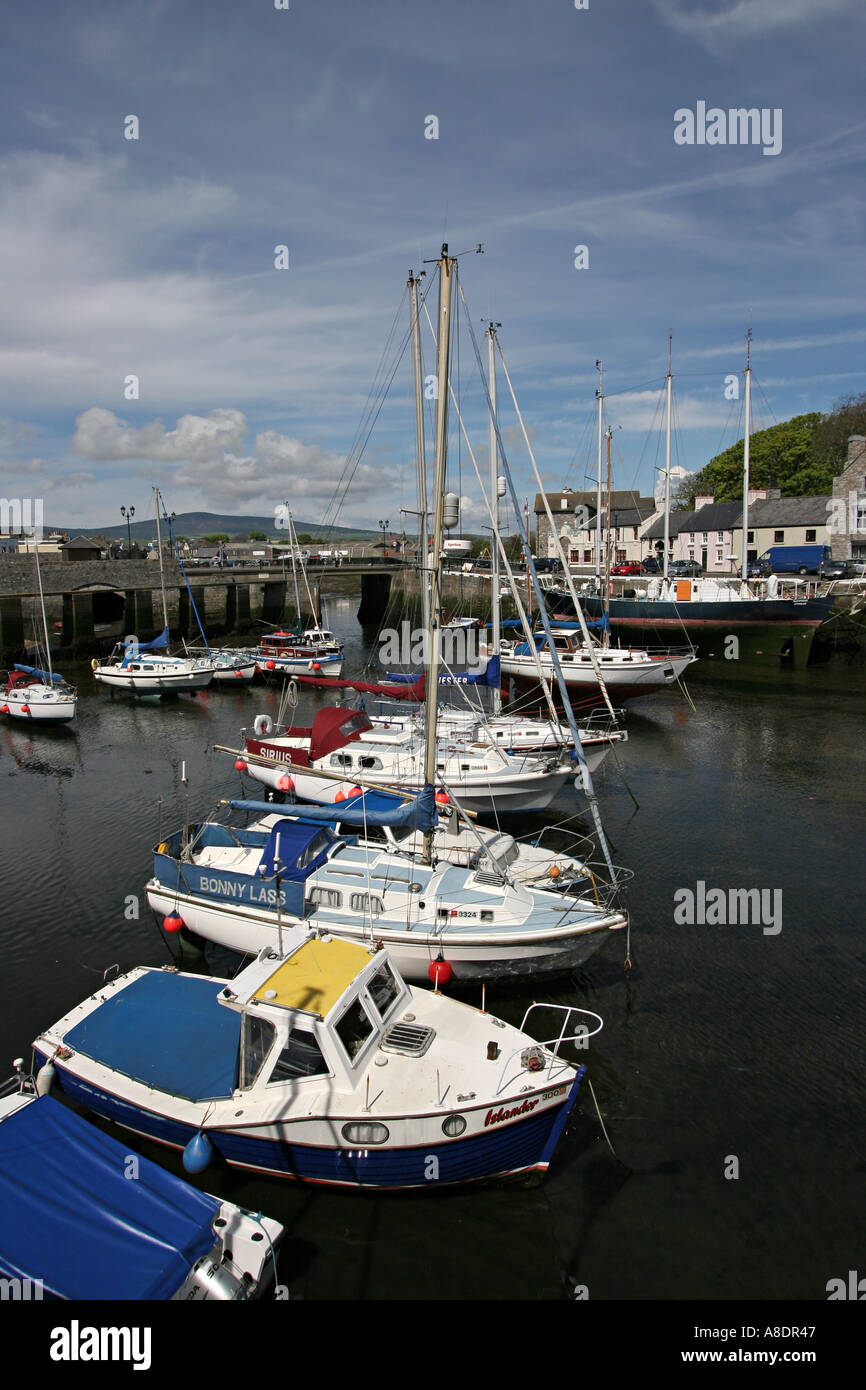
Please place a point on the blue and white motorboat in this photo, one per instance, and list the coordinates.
(314, 651)
(83, 1218)
(322, 1065)
(241, 887)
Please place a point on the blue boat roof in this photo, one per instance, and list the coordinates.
(167, 1031)
(72, 1218)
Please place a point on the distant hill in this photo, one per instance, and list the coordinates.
(194, 524)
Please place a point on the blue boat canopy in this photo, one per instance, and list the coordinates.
(74, 1220)
(160, 641)
(167, 1031)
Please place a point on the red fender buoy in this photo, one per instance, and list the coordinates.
(286, 783)
(440, 972)
(173, 922)
(240, 765)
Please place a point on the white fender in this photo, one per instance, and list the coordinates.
(263, 724)
(44, 1079)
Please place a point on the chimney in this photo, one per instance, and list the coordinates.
(706, 500)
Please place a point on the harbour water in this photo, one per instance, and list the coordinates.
(729, 1071)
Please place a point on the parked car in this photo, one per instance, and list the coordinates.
(627, 567)
(683, 569)
(756, 569)
(841, 569)
(651, 566)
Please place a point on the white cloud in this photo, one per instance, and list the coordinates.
(100, 434)
(746, 19)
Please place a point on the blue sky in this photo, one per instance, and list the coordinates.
(306, 127)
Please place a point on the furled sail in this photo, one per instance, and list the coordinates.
(370, 808)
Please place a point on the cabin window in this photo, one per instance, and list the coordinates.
(317, 846)
(366, 902)
(353, 1028)
(301, 1056)
(325, 897)
(384, 989)
(341, 760)
(372, 764)
(357, 723)
(810, 536)
(257, 1039)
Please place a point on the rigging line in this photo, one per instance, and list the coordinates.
(577, 753)
(373, 406)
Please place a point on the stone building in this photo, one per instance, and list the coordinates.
(847, 508)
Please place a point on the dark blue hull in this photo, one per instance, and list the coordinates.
(519, 1147)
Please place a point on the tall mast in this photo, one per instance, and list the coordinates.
(42, 606)
(607, 548)
(446, 275)
(600, 394)
(161, 569)
(668, 459)
(293, 542)
(746, 443)
(493, 649)
(413, 283)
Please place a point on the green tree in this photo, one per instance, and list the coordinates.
(830, 439)
(781, 456)
(257, 536)
(218, 539)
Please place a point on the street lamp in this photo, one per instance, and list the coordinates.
(129, 513)
(384, 525)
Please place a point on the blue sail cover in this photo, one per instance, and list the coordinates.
(43, 675)
(160, 641)
(370, 808)
(72, 1218)
(491, 676)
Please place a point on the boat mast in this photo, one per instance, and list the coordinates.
(413, 282)
(746, 443)
(161, 569)
(668, 460)
(607, 548)
(446, 275)
(42, 606)
(293, 542)
(600, 394)
(493, 649)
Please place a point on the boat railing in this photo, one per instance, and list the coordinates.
(522, 1058)
(21, 1084)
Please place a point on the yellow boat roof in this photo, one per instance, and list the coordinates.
(314, 976)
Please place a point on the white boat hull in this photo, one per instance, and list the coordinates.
(39, 704)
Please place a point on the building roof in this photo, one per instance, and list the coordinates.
(624, 498)
(82, 543)
(628, 516)
(789, 511)
(714, 516)
(657, 530)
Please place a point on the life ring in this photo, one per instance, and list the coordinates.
(263, 724)
(94, 664)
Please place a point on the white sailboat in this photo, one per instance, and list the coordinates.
(145, 668)
(35, 695)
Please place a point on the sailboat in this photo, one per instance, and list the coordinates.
(145, 668)
(310, 651)
(33, 694)
(591, 666)
(772, 621)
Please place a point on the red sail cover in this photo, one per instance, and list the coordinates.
(414, 693)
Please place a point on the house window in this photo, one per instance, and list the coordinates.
(705, 536)
(574, 557)
(719, 555)
(811, 536)
(587, 557)
(778, 535)
(751, 537)
(620, 557)
(634, 533)
(720, 535)
(691, 552)
(616, 534)
(563, 506)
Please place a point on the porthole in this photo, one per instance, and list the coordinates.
(453, 1126)
(366, 1134)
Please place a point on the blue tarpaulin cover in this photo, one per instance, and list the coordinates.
(370, 808)
(45, 676)
(168, 1031)
(72, 1219)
